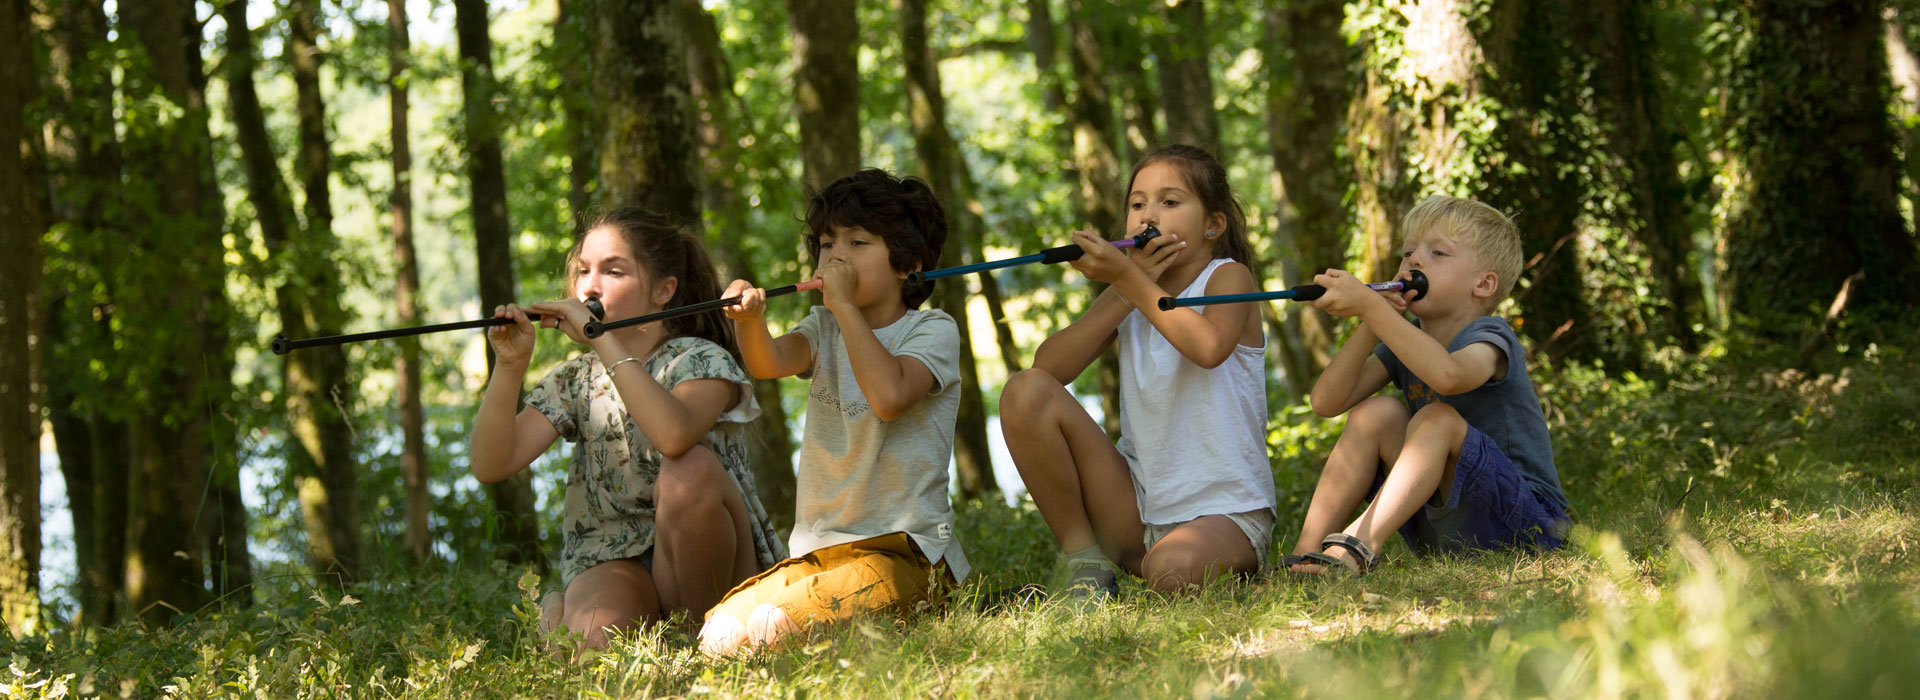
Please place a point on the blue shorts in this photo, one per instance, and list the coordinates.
(1489, 506)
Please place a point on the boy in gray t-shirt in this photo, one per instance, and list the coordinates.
(873, 529)
(1465, 460)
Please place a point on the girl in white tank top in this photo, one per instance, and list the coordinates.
(1186, 495)
(1194, 438)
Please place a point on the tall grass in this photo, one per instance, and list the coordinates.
(1741, 533)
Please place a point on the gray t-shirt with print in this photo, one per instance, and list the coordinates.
(861, 476)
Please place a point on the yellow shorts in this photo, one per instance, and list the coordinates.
(837, 583)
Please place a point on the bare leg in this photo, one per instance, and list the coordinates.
(614, 595)
(1426, 464)
(552, 608)
(1375, 432)
(1077, 479)
(1197, 552)
(704, 545)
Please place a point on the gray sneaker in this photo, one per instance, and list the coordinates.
(1092, 587)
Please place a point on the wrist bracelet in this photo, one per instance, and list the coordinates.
(628, 359)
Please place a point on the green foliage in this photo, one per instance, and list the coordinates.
(1740, 532)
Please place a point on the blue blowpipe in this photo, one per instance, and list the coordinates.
(1048, 257)
(1416, 281)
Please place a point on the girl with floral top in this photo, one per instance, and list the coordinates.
(661, 513)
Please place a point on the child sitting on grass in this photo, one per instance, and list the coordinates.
(873, 529)
(1465, 461)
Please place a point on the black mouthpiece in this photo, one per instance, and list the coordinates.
(1417, 282)
(1140, 241)
(593, 305)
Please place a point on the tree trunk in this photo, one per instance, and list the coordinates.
(1046, 54)
(1126, 47)
(317, 378)
(406, 290)
(19, 416)
(570, 32)
(826, 81)
(975, 229)
(1186, 84)
(938, 162)
(1618, 35)
(175, 276)
(1820, 198)
(641, 89)
(1306, 106)
(711, 78)
(89, 431)
(1097, 194)
(1520, 45)
(513, 499)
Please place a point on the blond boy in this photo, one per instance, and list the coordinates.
(1463, 461)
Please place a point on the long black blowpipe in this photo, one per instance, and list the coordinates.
(283, 345)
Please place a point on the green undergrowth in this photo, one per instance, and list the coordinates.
(1739, 533)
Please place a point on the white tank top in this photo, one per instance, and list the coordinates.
(1194, 438)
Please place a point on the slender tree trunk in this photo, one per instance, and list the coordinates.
(711, 78)
(1616, 38)
(88, 434)
(1046, 54)
(570, 32)
(1306, 107)
(1097, 194)
(223, 516)
(513, 499)
(1820, 198)
(406, 289)
(1519, 44)
(1126, 57)
(1186, 83)
(938, 162)
(975, 229)
(317, 378)
(826, 81)
(177, 274)
(19, 416)
(1043, 42)
(642, 91)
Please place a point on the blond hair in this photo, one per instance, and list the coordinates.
(1492, 237)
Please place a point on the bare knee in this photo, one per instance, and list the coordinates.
(1178, 569)
(1378, 414)
(1436, 416)
(553, 609)
(598, 624)
(1027, 393)
(691, 481)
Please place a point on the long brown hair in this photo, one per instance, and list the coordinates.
(1208, 180)
(667, 251)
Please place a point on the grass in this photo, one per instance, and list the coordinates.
(1741, 533)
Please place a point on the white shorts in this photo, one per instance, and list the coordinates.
(1256, 524)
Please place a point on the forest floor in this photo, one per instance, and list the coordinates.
(1740, 532)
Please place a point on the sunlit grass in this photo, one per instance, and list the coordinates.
(1740, 534)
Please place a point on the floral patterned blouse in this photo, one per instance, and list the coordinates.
(610, 508)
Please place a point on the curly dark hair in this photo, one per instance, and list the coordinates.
(904, 212)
